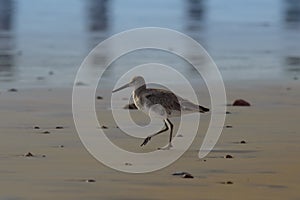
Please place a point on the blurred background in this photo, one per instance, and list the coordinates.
(42, 43)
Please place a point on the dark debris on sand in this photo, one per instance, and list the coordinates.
(79, 83)
(241, 102)
(59, 127)
(228, 156)
(187, 176)
(12, 90)
(29, 154)
(128, 164)
(46, 132)
(227, 182)
(183, 174)
(90, 180)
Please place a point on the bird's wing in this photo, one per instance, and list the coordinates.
(186, 105)
(165, 98)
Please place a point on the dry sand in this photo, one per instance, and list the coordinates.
(266, 167)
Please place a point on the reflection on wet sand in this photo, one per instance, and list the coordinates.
(98, 21)
(195, 18)
(293, 63)
(292, 13)
(223, 30)
(195, 12)
(291, 19)
(98, 26)
(7, 39)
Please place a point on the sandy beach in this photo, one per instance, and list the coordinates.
(255, 45)
(265, 167)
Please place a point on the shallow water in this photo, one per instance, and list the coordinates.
(42, 43)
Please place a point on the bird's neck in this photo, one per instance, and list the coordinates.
(139, 89)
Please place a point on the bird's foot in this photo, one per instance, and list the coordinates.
(169, 146)
(146, 141)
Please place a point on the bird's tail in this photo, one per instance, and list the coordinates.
(189, 106)
(203, 109)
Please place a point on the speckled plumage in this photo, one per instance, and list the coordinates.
(162, 102)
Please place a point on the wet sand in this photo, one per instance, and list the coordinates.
(266, 167)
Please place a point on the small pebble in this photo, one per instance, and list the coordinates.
(43, 156)
(228, 156)
(40, 78)
(36, 127)
(90, 180)
(12, 90)
(46, 132)
(228, 126)
(79, 83)
(179, 173)
(59, 127)
(99, 97)
(243, 142)
(61, 146)
(227, 182)
(29, 154)
(128, 164)
(50, 72)
(241, 102)
(227, 113)
(187, 176)
(104, 127)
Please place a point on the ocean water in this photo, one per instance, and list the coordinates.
(43, 43)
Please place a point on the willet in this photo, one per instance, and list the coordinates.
(163, 103)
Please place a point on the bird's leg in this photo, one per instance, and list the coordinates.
(170, 138)
(161, 131)
(171, 133)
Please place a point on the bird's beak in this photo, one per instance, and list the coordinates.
(121, 88)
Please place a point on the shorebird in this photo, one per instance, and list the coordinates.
(163, 103)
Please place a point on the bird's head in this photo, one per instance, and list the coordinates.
(135, 82)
